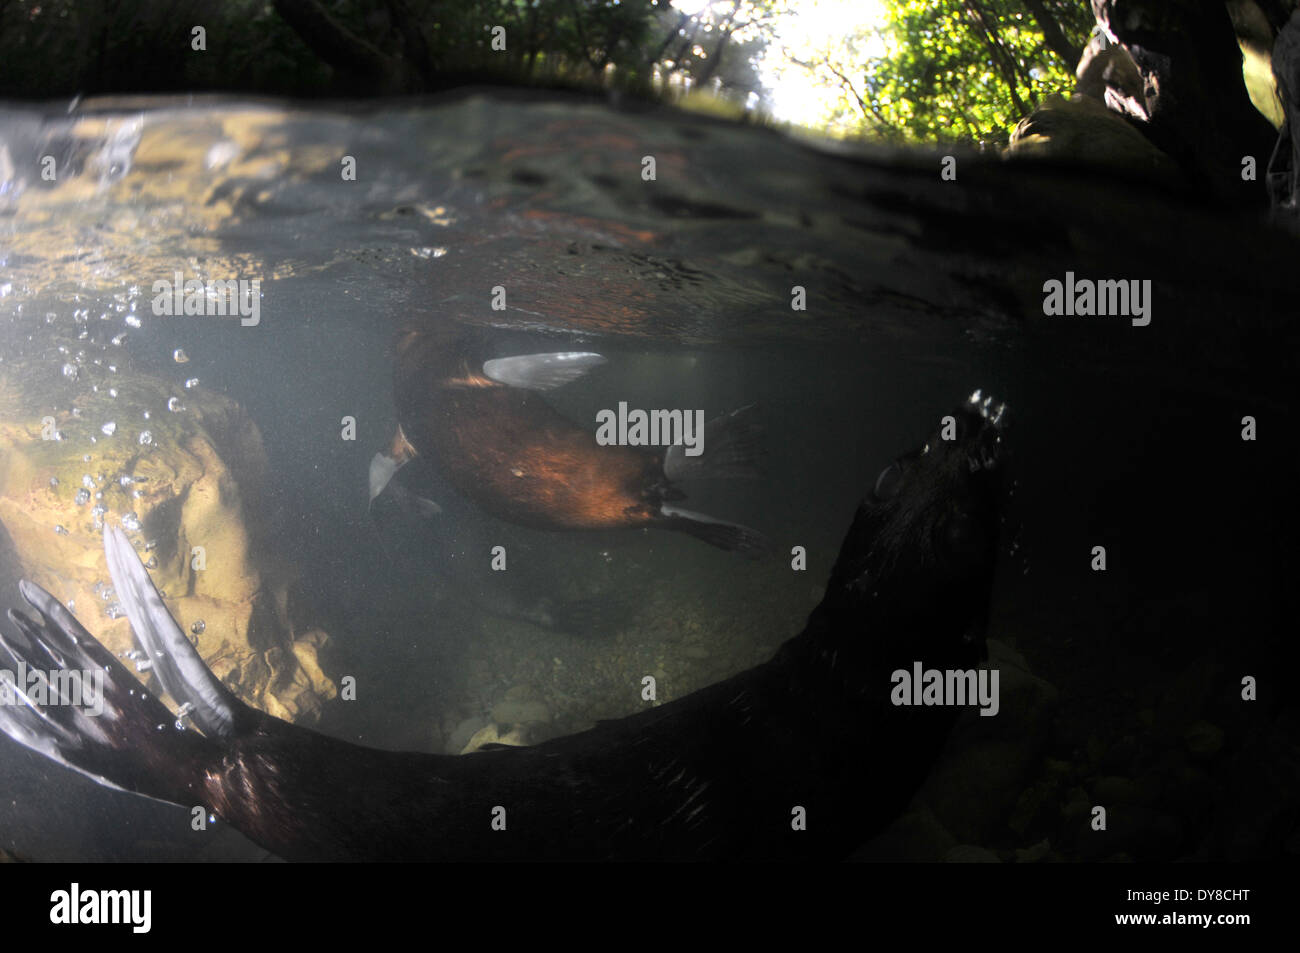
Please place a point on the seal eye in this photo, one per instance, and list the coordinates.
(889, 482)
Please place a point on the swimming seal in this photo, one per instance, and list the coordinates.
(484, 425)
(720, 773)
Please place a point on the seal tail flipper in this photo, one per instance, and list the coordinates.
(732, 448)
(81, 708)
(181, 671)
(541, 371)
(724, 535)
(385, 464)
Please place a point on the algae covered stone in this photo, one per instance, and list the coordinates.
(185, 488)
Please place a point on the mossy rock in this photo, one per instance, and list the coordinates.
(180, 483)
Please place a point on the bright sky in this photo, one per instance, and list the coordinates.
(798, 96)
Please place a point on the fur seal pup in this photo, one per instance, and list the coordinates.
(484, 425)
(719, 773)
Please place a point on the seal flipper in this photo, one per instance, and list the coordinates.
(541, 371)
(724, 535)
(732, 448)
(384, 465)
(412, 503)
(181, 671)
(124, 739)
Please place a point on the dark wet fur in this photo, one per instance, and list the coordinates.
(713, 775)
(520, 460)
(729, 536)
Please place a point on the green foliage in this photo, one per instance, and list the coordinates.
(909, 70)
(717, 49)
(55, 48)
(953, 70)
(61, 47)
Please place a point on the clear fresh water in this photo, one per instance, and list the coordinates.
(684, 284)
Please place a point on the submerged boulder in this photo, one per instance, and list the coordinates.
(81, 450)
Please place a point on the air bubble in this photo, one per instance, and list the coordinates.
(109, 429)
(146, 438)
(198, 626)
(61, 530)
(192, 383)
(174, 405)
(82, 497)
(180, 357)
(131, 523)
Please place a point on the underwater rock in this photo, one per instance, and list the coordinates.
(1144, 833)
(1203, 739)
(971, 854)
(459, 737)
(1035, 853)
(490, 734)
(915, 837)
(977, 783)
(523, 711)
(975, 789)
(189, 486)
(521, 692)
(1116, 790)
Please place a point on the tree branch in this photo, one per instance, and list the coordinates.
(1053, 36)
(1005, 62)
(867, 107)
(333, 43)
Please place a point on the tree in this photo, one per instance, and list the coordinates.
(717, 47)
(945, 70)
(1198, 109)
